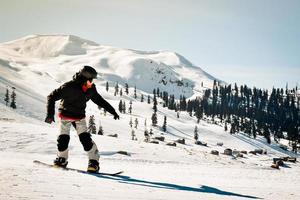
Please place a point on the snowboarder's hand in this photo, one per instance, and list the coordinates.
(49, 120)
(116, 116)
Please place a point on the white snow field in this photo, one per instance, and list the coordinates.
(35, 65)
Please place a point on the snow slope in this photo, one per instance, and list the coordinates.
(58, 57)
(152, 171)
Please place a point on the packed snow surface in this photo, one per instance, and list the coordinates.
(35, 65)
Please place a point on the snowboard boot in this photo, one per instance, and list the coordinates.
(60, 162)
(93, 166)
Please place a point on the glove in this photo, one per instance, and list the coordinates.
(116, 116)
(49, 120)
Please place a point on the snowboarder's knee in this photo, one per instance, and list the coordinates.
(86, 141)
(63, 142)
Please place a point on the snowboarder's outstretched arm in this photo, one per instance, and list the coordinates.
(52, 97)
(98, 99)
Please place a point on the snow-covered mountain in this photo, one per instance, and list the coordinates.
(58, 57)
(35, 65)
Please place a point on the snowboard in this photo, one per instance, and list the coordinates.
(77, 170)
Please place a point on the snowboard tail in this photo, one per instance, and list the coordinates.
(76, 170)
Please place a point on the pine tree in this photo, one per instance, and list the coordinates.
(121, 92)
(232, 128)
(149, 101)
(124, 107)
(171, 102)
(267, 134)
(182, 103)
(155, 103)
(133, 137)
(116, 88)
(130, 107)
(126, 88)
(136, 123)
(147, 135)
(135, 96)
(226, 128)
(164, 126)
(154, 119)
(92, 125)
(100, 132)
(6, 99)
(121, 106)
(13, 99)
(107, 86)
(199, 114)
(130, 122)
(196, 136)
(142, 98)
(165, 97)
(254, 131)
(215, 83)
(292, 132)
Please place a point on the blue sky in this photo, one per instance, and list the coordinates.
(253, 42)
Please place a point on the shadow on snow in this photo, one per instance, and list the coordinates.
(170, 186)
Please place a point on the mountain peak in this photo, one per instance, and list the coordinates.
(60, 56)
(45, 46)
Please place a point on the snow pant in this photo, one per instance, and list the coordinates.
(85, 138)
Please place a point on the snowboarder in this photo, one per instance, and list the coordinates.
(74, 95)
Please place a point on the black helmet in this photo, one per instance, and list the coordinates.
(88, 72)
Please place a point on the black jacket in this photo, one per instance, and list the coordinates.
(73, 99)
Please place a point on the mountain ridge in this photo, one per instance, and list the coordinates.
(60, 56)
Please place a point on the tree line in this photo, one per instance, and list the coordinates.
(10, 98)
(253, 111)
(250, 110)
